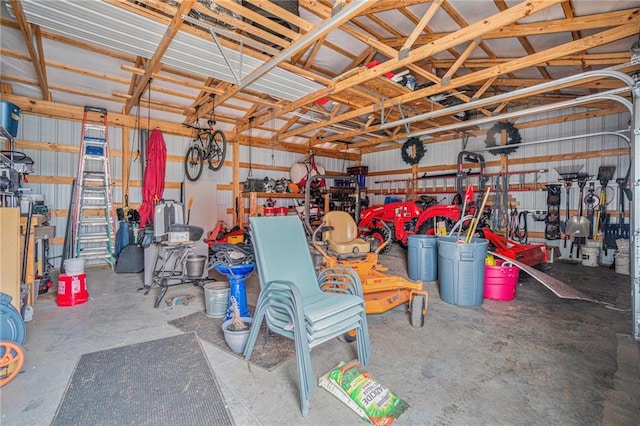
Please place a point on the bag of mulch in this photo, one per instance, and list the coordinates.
(359, 390)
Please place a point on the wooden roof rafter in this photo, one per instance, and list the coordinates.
(472, 31)
(154, 64)
(363, 103)
(458, 19)
(580, 23)
(526, 45)
(36, 53)
(603, 37)
(420, 26)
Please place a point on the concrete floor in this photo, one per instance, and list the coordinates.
(535, 360)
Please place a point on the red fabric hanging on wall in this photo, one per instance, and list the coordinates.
(154, 174)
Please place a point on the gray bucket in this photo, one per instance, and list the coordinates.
(195, 265)
(461, 270)
(422, 257)
(216, 299)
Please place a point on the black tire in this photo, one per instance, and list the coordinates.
(193, 163)
(426, 227)
(417, 308)
(217, 150)
(349, 336)
(380, 235)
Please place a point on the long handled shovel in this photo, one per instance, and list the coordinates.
(474, 221)
(189, 209)
(468, 196)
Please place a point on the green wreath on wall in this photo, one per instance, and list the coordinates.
(408, 153)
(513, 138)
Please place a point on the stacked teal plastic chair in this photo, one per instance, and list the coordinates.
(292, 302)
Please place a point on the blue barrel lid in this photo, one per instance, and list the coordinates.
(12, 326)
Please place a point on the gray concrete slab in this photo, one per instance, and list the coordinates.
(535, 360)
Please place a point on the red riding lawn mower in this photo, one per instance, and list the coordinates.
(406, 218)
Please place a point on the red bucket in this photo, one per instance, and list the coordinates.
(72, 290)
(500, 282)
(269, 211)
(281, 211)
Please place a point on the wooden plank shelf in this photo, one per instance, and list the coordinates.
(272, 195)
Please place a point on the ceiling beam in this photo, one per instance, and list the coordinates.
(454, 39)
(344, 15)
(502, 5)
(74, 112)
(154, 64)
(580, 23)
(404, 50)
(598, 39)
(463, 57)
(36, 60)
(607, 59)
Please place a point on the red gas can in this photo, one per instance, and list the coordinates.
(72, 290)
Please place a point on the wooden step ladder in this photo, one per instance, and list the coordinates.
(94, 213)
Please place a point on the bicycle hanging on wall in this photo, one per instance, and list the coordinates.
(208, 144)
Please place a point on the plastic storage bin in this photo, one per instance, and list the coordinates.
(422, 257)
(461, 270)
(501, 281)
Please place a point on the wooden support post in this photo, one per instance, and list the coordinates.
(238, 203)
(504, 169)
(126, 155)
(412, 187)
(253, 204)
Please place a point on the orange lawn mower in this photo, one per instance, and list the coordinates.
(340, 247)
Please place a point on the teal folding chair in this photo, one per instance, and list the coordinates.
(292, 302)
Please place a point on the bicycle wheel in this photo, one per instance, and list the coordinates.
(217, 150)
(193, 163)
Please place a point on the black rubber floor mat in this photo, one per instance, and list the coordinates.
(268, 353)
(162, 382)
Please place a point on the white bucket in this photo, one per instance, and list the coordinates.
(74, 266)
(216, 298)
(622, 263)
(623, 245)
(590, 256)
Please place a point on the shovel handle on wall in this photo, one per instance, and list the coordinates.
(189, 209)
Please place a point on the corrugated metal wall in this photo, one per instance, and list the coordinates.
(52, 164)
(446, 153)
